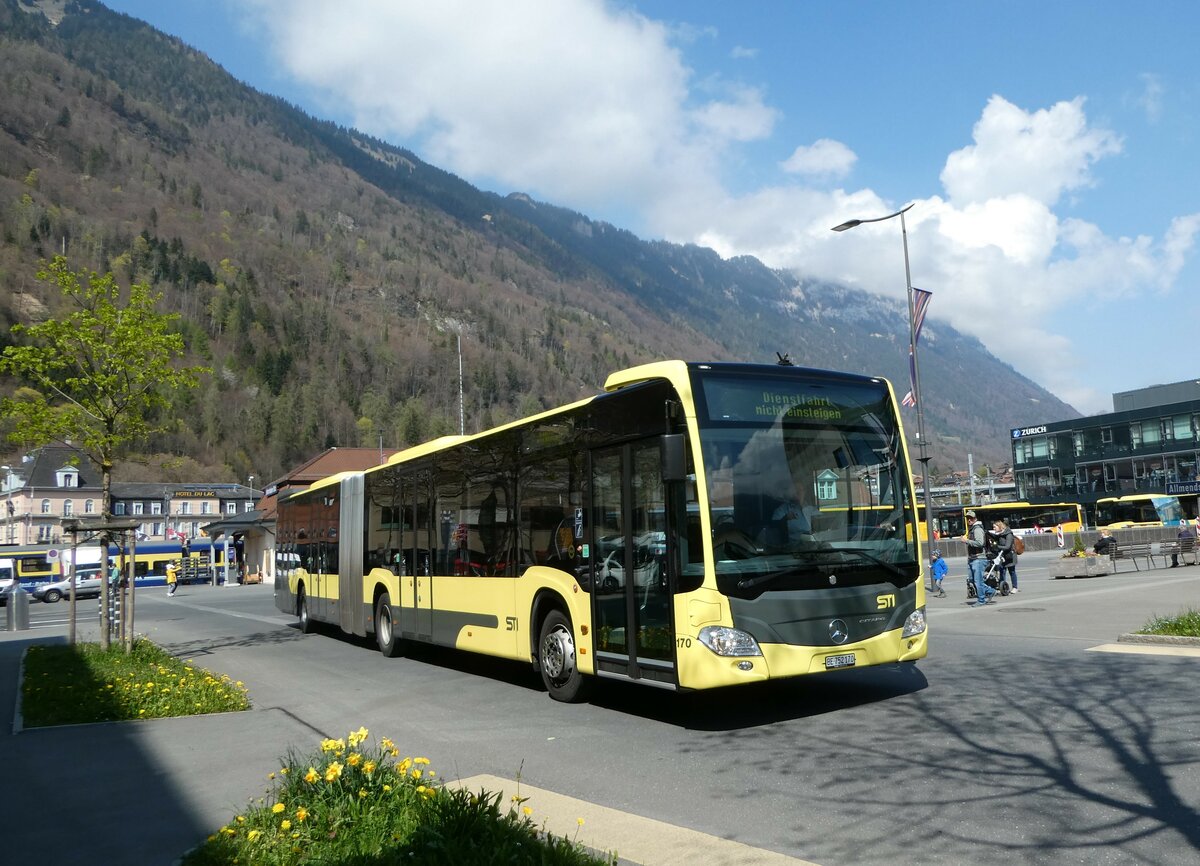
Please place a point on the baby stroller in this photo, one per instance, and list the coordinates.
(993, 577)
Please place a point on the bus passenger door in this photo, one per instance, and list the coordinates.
(634, 634)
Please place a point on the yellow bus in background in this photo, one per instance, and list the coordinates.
(668, 532)
(1022, 518)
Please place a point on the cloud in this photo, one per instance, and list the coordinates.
(1151, 96)
(1040, 154)
(584, 103)
(823, 158)
(594, 106)
(741, 52)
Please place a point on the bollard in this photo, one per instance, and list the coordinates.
(16, 614)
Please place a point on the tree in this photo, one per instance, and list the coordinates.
(103, 375)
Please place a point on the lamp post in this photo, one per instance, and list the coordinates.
(923, 459)
(8, 506)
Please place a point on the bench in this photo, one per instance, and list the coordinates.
(1152, 550)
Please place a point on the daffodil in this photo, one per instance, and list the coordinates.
(301, 814)
(333, 771)
(356, 737)
(354, 759)
(369, 767)
(311, 776)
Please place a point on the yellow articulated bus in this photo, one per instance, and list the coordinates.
(1139, 509)
(695, 526)
(1022, 518)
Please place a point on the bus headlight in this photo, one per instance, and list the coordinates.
(728, 641)
(915, 624)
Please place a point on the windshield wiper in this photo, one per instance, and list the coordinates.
(870, 557)
(826, 556)
(751, 582)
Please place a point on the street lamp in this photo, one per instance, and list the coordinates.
(923, 459)
(8, 506)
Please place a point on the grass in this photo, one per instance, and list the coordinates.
(66, 685)
(1186, 624)
(359, 805)
(349, 803)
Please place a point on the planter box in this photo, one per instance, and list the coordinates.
(1082, 566)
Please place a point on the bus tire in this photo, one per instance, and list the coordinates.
(556, 660)
(391, 645)
(306, 623)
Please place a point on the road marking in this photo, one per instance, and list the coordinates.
(1145, 649)
(635, 839)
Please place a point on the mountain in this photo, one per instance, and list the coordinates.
(329, 278)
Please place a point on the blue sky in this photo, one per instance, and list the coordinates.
(1049, 148)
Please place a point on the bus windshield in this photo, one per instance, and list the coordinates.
(808, 483)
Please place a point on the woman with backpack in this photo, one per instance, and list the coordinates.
(1005, 543)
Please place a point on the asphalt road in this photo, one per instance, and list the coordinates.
(1016, 741)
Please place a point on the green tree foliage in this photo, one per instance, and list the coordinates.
(103, 376)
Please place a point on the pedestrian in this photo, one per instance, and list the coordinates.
(1187, 542)
(172, 577)
(1105, 544)
(977, 558)
(938, 570)
(1004, 549)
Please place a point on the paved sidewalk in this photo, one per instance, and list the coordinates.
(146, 792)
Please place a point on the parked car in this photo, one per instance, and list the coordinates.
(87, 585)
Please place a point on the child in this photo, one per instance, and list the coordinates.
(939, 572)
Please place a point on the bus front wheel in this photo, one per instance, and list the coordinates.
(390, 644)
(306, 625)
(556, 660)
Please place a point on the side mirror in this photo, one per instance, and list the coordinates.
(674, 462)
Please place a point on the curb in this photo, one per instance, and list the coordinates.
(1167, 639)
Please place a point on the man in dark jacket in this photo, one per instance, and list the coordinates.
(1187, 542)
(977, 558)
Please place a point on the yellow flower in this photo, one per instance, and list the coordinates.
(528, 811)
(311, 776)
(354, 760)
(416, 774)
(387, 789)
(241, 819)
(270, 775)
(420, 760)
(285, 824)
(301, 814)
(429, 792)
(386, 745)
(277, 808)
(253, 834)
(369, 767)
(356, 737)
(333, 771)
(333, 745)
(579, 821)
(283, 771)
(362, 792)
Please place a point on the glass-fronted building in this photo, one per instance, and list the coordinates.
(1148, 444)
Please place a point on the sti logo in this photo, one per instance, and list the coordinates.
(1018, 432)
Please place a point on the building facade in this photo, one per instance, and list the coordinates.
(1149, 443)
(56, 483)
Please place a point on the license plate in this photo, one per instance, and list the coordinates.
(842, 661)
